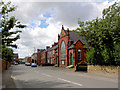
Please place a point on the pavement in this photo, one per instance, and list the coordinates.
(7, 81)
(0, 81)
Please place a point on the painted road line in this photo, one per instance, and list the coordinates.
(70, 82)
(13, 77)
(36, 71)
(46, 75)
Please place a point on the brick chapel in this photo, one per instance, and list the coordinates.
(70, 48)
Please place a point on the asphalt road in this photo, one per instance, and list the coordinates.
(55, 77)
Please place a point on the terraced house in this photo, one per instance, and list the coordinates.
(69, 50)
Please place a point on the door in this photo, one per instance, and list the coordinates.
(71, 59)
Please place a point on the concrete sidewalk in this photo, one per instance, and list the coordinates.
(7, 81)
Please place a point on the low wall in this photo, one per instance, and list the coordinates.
(3, 65)
(107, 69)
(0, 66)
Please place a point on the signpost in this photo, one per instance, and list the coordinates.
(82, 66)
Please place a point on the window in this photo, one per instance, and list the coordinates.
(53, 52)
(53, 60)
(79, 54)
(63, 51)
(35, 61)
(63, 62)
(56, 59)
(48, 60)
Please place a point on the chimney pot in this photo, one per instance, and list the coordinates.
(62, 27)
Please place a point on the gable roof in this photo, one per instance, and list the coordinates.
(75, 37)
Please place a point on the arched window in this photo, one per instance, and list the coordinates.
(79, 54)
(63, 51)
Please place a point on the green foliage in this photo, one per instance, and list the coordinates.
(7, 54)
(102, 34)
(8, 23)
(117, 53)
(9, 34)
(91, 56)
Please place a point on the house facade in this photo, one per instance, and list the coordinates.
(29, 59)
(39, 51)
(15, 57)
(34, 58)
(54, 53)
(70, 48)
(44, 56)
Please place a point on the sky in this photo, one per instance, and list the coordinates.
(44, 20)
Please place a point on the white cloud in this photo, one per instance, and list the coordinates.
(62, 13)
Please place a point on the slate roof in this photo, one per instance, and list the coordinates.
(75, 37)
(71, 47)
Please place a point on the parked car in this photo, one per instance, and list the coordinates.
(28, 64)
(16, 63)
(33, 65)
(12, 63)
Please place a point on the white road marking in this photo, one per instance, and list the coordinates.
(46, 75)
(70, 82)
(36, 71)
(13, 77)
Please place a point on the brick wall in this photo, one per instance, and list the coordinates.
(107, 69)
(65, 38)
(4, 65)
(0, 66)
(79, 45)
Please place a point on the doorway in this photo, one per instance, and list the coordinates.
(71, 59)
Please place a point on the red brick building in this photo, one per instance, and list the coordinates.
(29, 59)
(70, 48)
(48, 53)
(34, 58)
(54, 54)
(68, 51)
(39, 51)
(44, 56)
(15, 57)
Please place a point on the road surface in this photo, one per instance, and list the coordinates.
(55, 77)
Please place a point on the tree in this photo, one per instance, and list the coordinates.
(103, 36)
(7, 53)
(8, 23)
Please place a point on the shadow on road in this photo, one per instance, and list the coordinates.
(42, 84)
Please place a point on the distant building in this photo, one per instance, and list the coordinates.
(39, 51)
(54, 53)
(34, 58)
(15, 57)
(44, 56)
(29, 59)
(69, 50)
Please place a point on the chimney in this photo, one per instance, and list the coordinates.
(68, 31)
(47, 47)
(62, 27)
(58, 36)
(53, 45)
